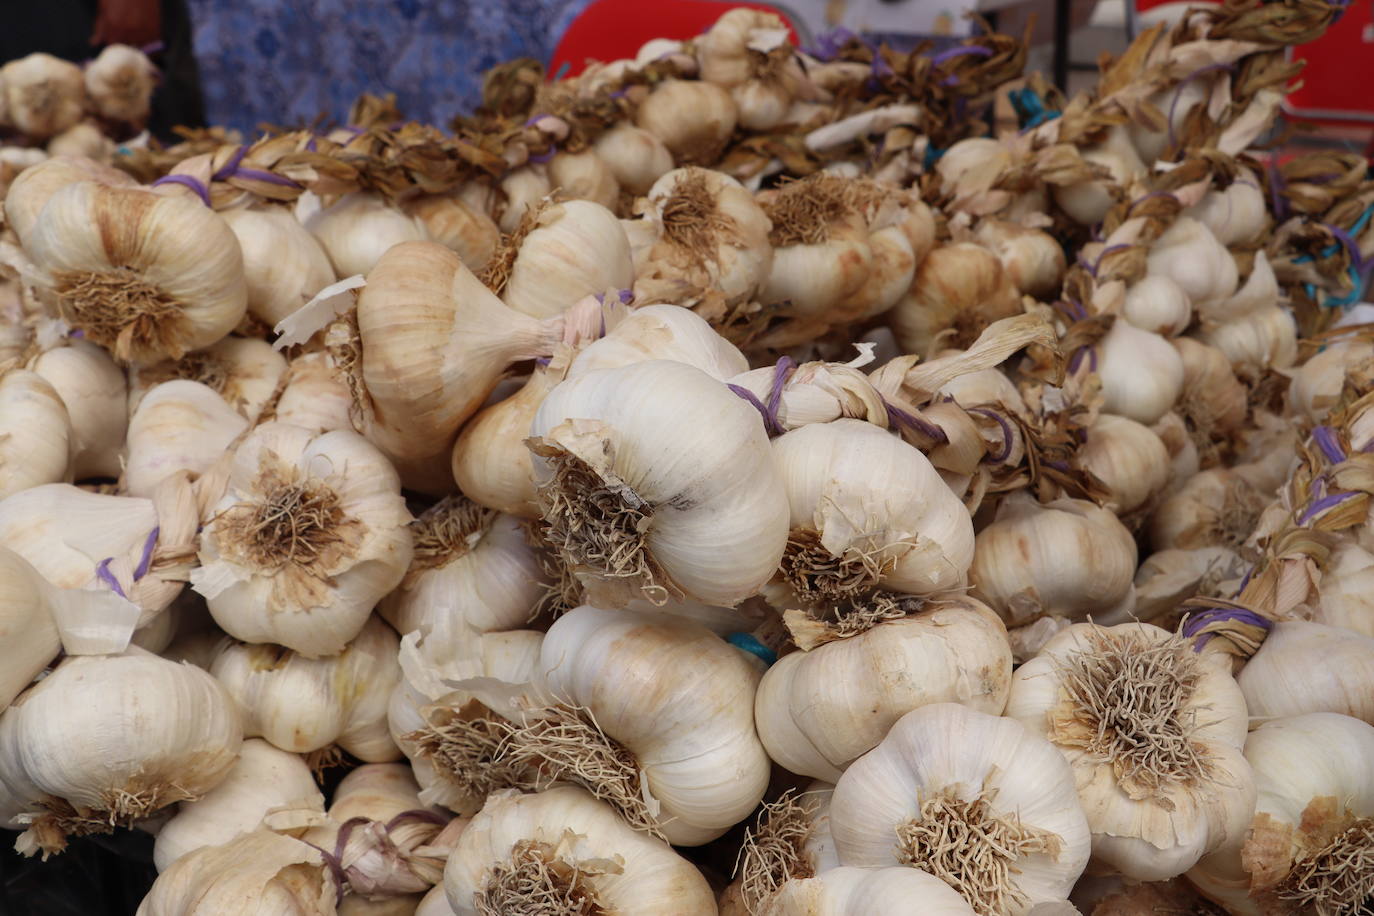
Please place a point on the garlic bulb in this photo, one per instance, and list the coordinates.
(1067, 557)
(1236, 214)
(153, 733)
(82, 139)
(1033, 259)
(1176, 103)
(1307, 667)
(1213, 508)
(1168, 577)
(1153, 732)
(490, 461)
(359, 228)
(524, 188)
(310, 535)
(265, 787)
(1316, 384)
(92, 388)
(120, 84)
(313, 396)
(693, 119)
(747, 51)
(473, 571)
(635, 157)
(571, 250)
(44, 95)
(958, 291)
(31, 190)
(35, 432)
(1190, 255)
(790, 840)
(1345, 590)
(170, 281)
(303, 705)
(583, 176)
(847, 891)
(1263, 340)
(179, 426)
(1128, 458)
(675, 513)
(243, 371)
(867, 510)
(973, 799)
(662, 332)
(459, 225)
(705, 234)
(262, 873)
(1087, 202)
(817, 711)
(563, 844)
(1157, 304)
(1308, 846)
(283, 265)
(1142, 375)
(1213, 398)
(820, 243)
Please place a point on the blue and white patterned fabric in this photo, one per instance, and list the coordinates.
(290, 61)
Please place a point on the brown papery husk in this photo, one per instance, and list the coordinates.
(805, 212)
(1322, 865)
(537, 879)
(774, 851)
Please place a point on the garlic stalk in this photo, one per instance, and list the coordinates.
(973, 799)
(35, 432)
(283, 265)
(92, 387)
(179, 426)
(265, 787)
(359, 228)
(243, 371)
(1306, 667)
(153, 733)
(628, 488)
(309, 535)
(44, 95)
(693, 119)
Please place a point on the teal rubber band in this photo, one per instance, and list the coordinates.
(749, 643)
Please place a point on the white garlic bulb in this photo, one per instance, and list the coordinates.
(283, 265)
(170, 281)
(313, 396)
(1067, 557)
(1235, 214)
(661, 332)
(1307, 667)
(958, 287)
(584, 176)
(458, 223)
(262, 873)
(868, 510)
(1153, 732)
(32, 188)
(44, 95)
(265, 787)
(472, 571)
(564, 844)
(635, 157)
(120, 84)
(1130, 459)
(92, 388)
(973, 799)
(817, 711)
(1141, 373)
(1032, 259)
(1316, 384)
(490, 462)
(1190, 254)
(571, 250)
(1346, 589)
(152, 732)
(35, 432)
(748, 52)
(82, 139)
(848, 891)
(820, 243)
(179, 426)
(311, 533)
(1263, 339)
(303, 705)
(692, 118)
(709, 511)
(1087, 202)
(359, 228)
(1157, 304)
(243, 371)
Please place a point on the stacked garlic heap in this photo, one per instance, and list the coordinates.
(737, 454)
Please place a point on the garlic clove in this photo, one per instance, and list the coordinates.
(584, 176)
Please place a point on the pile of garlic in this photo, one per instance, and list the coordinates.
(732, 481)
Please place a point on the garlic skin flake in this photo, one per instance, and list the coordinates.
(152, 732)
(711, 509)
(265, 787)
(817, 711)
(1307, 667)
(564, 842)
(311, 533)
(307, 704)
(35, 432)
(973, 799)
(1153, 732)
(849, 891)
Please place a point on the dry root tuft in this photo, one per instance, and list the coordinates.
(124, 314)
(810, 628)
(565, 744)
(599, 527)
(291, 522)
(497, 273)
(48, 832)
(691, 220)
(200, 366)
(1125, 704)
(1334, 880)
(329, 757)
(535, 881)
(562, 589)
(804, 212)
(774, 851)
(466, 748)
(966, 845)
(447, 530)
(820, 578)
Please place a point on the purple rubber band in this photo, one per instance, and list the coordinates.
(1006, 433)
(416, 814)
(230, 167)
(1357, 260)
(544, 157)
(335, 868)
(898, 417)
(142, 569)
(76, 333)
(102, 572)
(310, 144)
(1326, 440)
(1326, 502)
(532, 121)
(951, 53)
(1061, 466)
(769, 422)
(781, 371)
(542, 361)
(186, 181)
(1276, 186)
(626, 296)
(1196, 622)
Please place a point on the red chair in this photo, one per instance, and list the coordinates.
(614, 29)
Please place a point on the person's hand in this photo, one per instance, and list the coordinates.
(130, 22)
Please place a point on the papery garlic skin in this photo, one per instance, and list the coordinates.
(1142, 375)
(120, 83)
(661, 332)
(314, 397)
(1153, 810)
(819, 710)
(1316, 384)
(523, 188)
(849, 891)
(1157, 304)
(264, 784)
(865, 492)
(243, 371)
(34, 186)
(340, 499)
(261, 873)
(635, 157)
(576, 248)
(1067, 557)
(693, 119)
(1306, 667)
(35, 432)
(153, 732)
(28, 631)
(625, 871)
(44, 95)
(302, 704)
(963, 287)
(283, 264)
(944, 764)
(1129, 458)
(457, 223)
(491, 463)
(357, 230)
(171, 280)
(179, 426)
(92, 388)
(718, 511)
